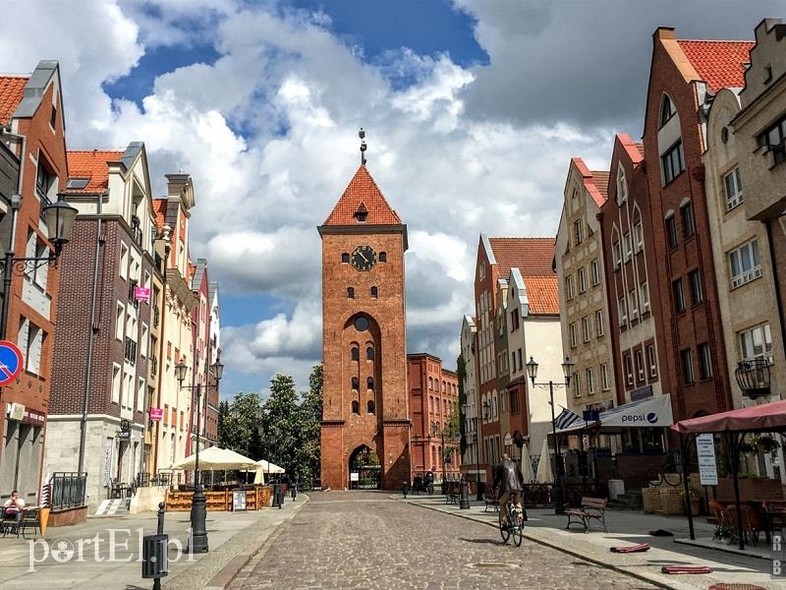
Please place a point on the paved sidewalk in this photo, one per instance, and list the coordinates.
(729, 565)
(104, 553)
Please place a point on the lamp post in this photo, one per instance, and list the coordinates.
(532, 371)
(198, 541)
(59, 218)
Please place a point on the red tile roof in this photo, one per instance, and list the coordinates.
(600, 178)
(362, 193)
(542, 294)
(159, 209)
(12, 88)
(721, 64)
(532, 256)
(92, 165)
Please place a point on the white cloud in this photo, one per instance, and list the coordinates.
(268, 132)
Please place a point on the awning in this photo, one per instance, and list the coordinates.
(653, 412)
(762, 418)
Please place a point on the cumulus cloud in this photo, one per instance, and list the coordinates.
(266, 125)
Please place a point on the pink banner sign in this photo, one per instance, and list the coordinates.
(156, 414)
(142, 293)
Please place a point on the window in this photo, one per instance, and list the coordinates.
(374, 292)
(45, 181)
(514, 402)
(569, 288)
(638, 236)
(688, 222)
(705, 361)
(622, 311)
(140, 395)
(756, 343)
(696, 293)
(651, 360)
(604, 377)
(345, 257)
(733, 184)
(666, 110)
(672, 163)
(774, 138)
(628, 251)
(370, 353)
(578, 231)
(355, 407)
(671, 232)
(589, 374)
(355, 352)
(37, 274)
(123, 260)
(574, 341)
(599, 329)
(615, 248)
(644, 297)
(116, 383)
(633, 305)
(622, 186)
(679, 297)
(639, 365)
(595, 272)
(686, 361)
(745, 264)
(582, 274)
(120, 314)
(586, 330)
(628, 369)
(576, 380)
(383, 256)
(514, 321)
(370, 406)
(355, 382)
(350, 292)
(370, 383)
(31, 342)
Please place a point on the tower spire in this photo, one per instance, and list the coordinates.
(363, 147)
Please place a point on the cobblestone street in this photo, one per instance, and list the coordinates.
(366, 540)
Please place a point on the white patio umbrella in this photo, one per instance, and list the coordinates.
(269, 467)
(259, 476)
(216, 458)
(526, 465)
(545, 474)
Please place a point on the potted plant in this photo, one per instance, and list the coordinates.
(765, 443)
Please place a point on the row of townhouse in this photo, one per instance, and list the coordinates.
(669, 264)
(101, 330)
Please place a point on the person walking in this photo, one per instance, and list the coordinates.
(508, 485)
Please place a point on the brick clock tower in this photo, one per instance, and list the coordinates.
(365, 416)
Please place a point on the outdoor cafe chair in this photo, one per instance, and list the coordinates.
(9, 523)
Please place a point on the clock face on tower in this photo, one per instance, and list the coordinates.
(363, 258)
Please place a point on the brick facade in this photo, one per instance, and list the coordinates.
(365, 404)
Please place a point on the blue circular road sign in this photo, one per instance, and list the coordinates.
(10, 362)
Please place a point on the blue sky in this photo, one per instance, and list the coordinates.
(472, 108)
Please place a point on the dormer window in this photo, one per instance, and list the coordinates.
(77, 183)
(361, 214)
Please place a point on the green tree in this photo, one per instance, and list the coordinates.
(308, 452)
(281, 423)
(241, 426)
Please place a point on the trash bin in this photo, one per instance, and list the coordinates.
(278, 495)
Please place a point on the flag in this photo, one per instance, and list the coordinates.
(566, 419)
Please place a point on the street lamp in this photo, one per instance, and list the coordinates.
(198, 542)
(59, 218)
(567, 369)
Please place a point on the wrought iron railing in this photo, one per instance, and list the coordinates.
(68, 490)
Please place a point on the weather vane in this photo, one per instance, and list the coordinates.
(363, 147)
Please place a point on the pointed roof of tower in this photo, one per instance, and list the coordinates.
(362, 203)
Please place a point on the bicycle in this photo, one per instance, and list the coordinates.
(516, 527)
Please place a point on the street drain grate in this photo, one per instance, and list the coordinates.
(494, 564)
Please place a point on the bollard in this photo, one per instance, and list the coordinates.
(155, 562)
(405, 489)
(464, 496)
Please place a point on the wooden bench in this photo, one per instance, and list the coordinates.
(590, 509)
(490, 499)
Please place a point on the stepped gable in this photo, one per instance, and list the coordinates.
(92, 165)
(721, 64)
(12, 89)
(362, 203)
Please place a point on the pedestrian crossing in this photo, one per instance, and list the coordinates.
(112, 507)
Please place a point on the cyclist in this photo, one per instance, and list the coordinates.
(508, 484)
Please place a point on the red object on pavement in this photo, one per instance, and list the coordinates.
(631, 548)
(686, 569)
